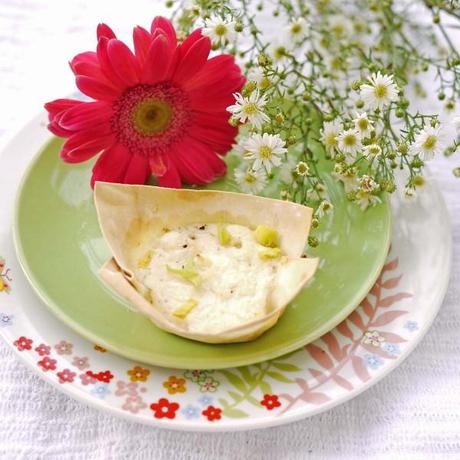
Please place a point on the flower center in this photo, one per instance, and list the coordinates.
(296, 28)
(380, 91)
(279, 52)
(363, 124)
(430, 142)
(349, 140)
(148, 119)
(220, 30)
(250, 178)
(250, 108)
(331, 139)
(265, 152)
(152, 116)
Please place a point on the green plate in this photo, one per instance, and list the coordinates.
(60, 248)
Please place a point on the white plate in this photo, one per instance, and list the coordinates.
(367, 346)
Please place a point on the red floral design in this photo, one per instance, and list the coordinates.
(43, 349)
(47, 364)
(164, 408)
(23, 343)
(66, 375)
(81, 363)
(103, 376)
(212, 413)
(270, 402)
(160, 110)
(63, 348)
(87, 379)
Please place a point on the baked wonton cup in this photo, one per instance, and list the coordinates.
(131, 215)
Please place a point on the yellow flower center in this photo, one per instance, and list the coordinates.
(265, 152)
(250, 178)
(220, 30)
(363, 124)
(380, 91)
(152, 116)
(250, 108)
(331, 140)
(279, 52)
(296, 28)
(430, 142)
(349, 140)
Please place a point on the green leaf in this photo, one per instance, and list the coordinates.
(235, 380)
(279, 377)
(253, 400)
(266, 388)
(234, 413)
(237, 397)
(287, 367)
(246, 374)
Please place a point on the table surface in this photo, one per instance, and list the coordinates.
(414, 413)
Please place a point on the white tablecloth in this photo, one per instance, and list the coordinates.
(414, 413)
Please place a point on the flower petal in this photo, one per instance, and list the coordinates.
(103, 30)
(219, 140)
(80, 147)
(157, 164)
(111, 165)
(142, 40)
(166, 26)
(217, 69)
(86, 115)
(138, 170)
(88, 57)
(95, 89)
(171, 177)
(123, 62)
(191, 163)
(157, 61)
(193, 61)
(59, 105)
(106, 65)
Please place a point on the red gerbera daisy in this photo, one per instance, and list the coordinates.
(160, 110)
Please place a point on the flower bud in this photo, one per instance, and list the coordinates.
(313, 241)
(239, 26)
(359, 104)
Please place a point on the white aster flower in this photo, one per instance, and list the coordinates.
(250, 108)
(367, 184)
(251, 181)
(349, 141)
(318, 192)
(219, 31)
(297, 30)
(372, 151)
(266, 150)
(365, 199)
(323, 208)
(348, 177)
(302, 169)
(363, 124)
(279, 49)
(329, 134)
(428, 143)
(409, 192)
(381, 91)
(256, 74)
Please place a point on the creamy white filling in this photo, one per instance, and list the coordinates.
(234, 282)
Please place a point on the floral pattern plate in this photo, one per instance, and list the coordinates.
(371, 342)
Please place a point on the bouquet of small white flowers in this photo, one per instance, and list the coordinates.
(333, 85)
